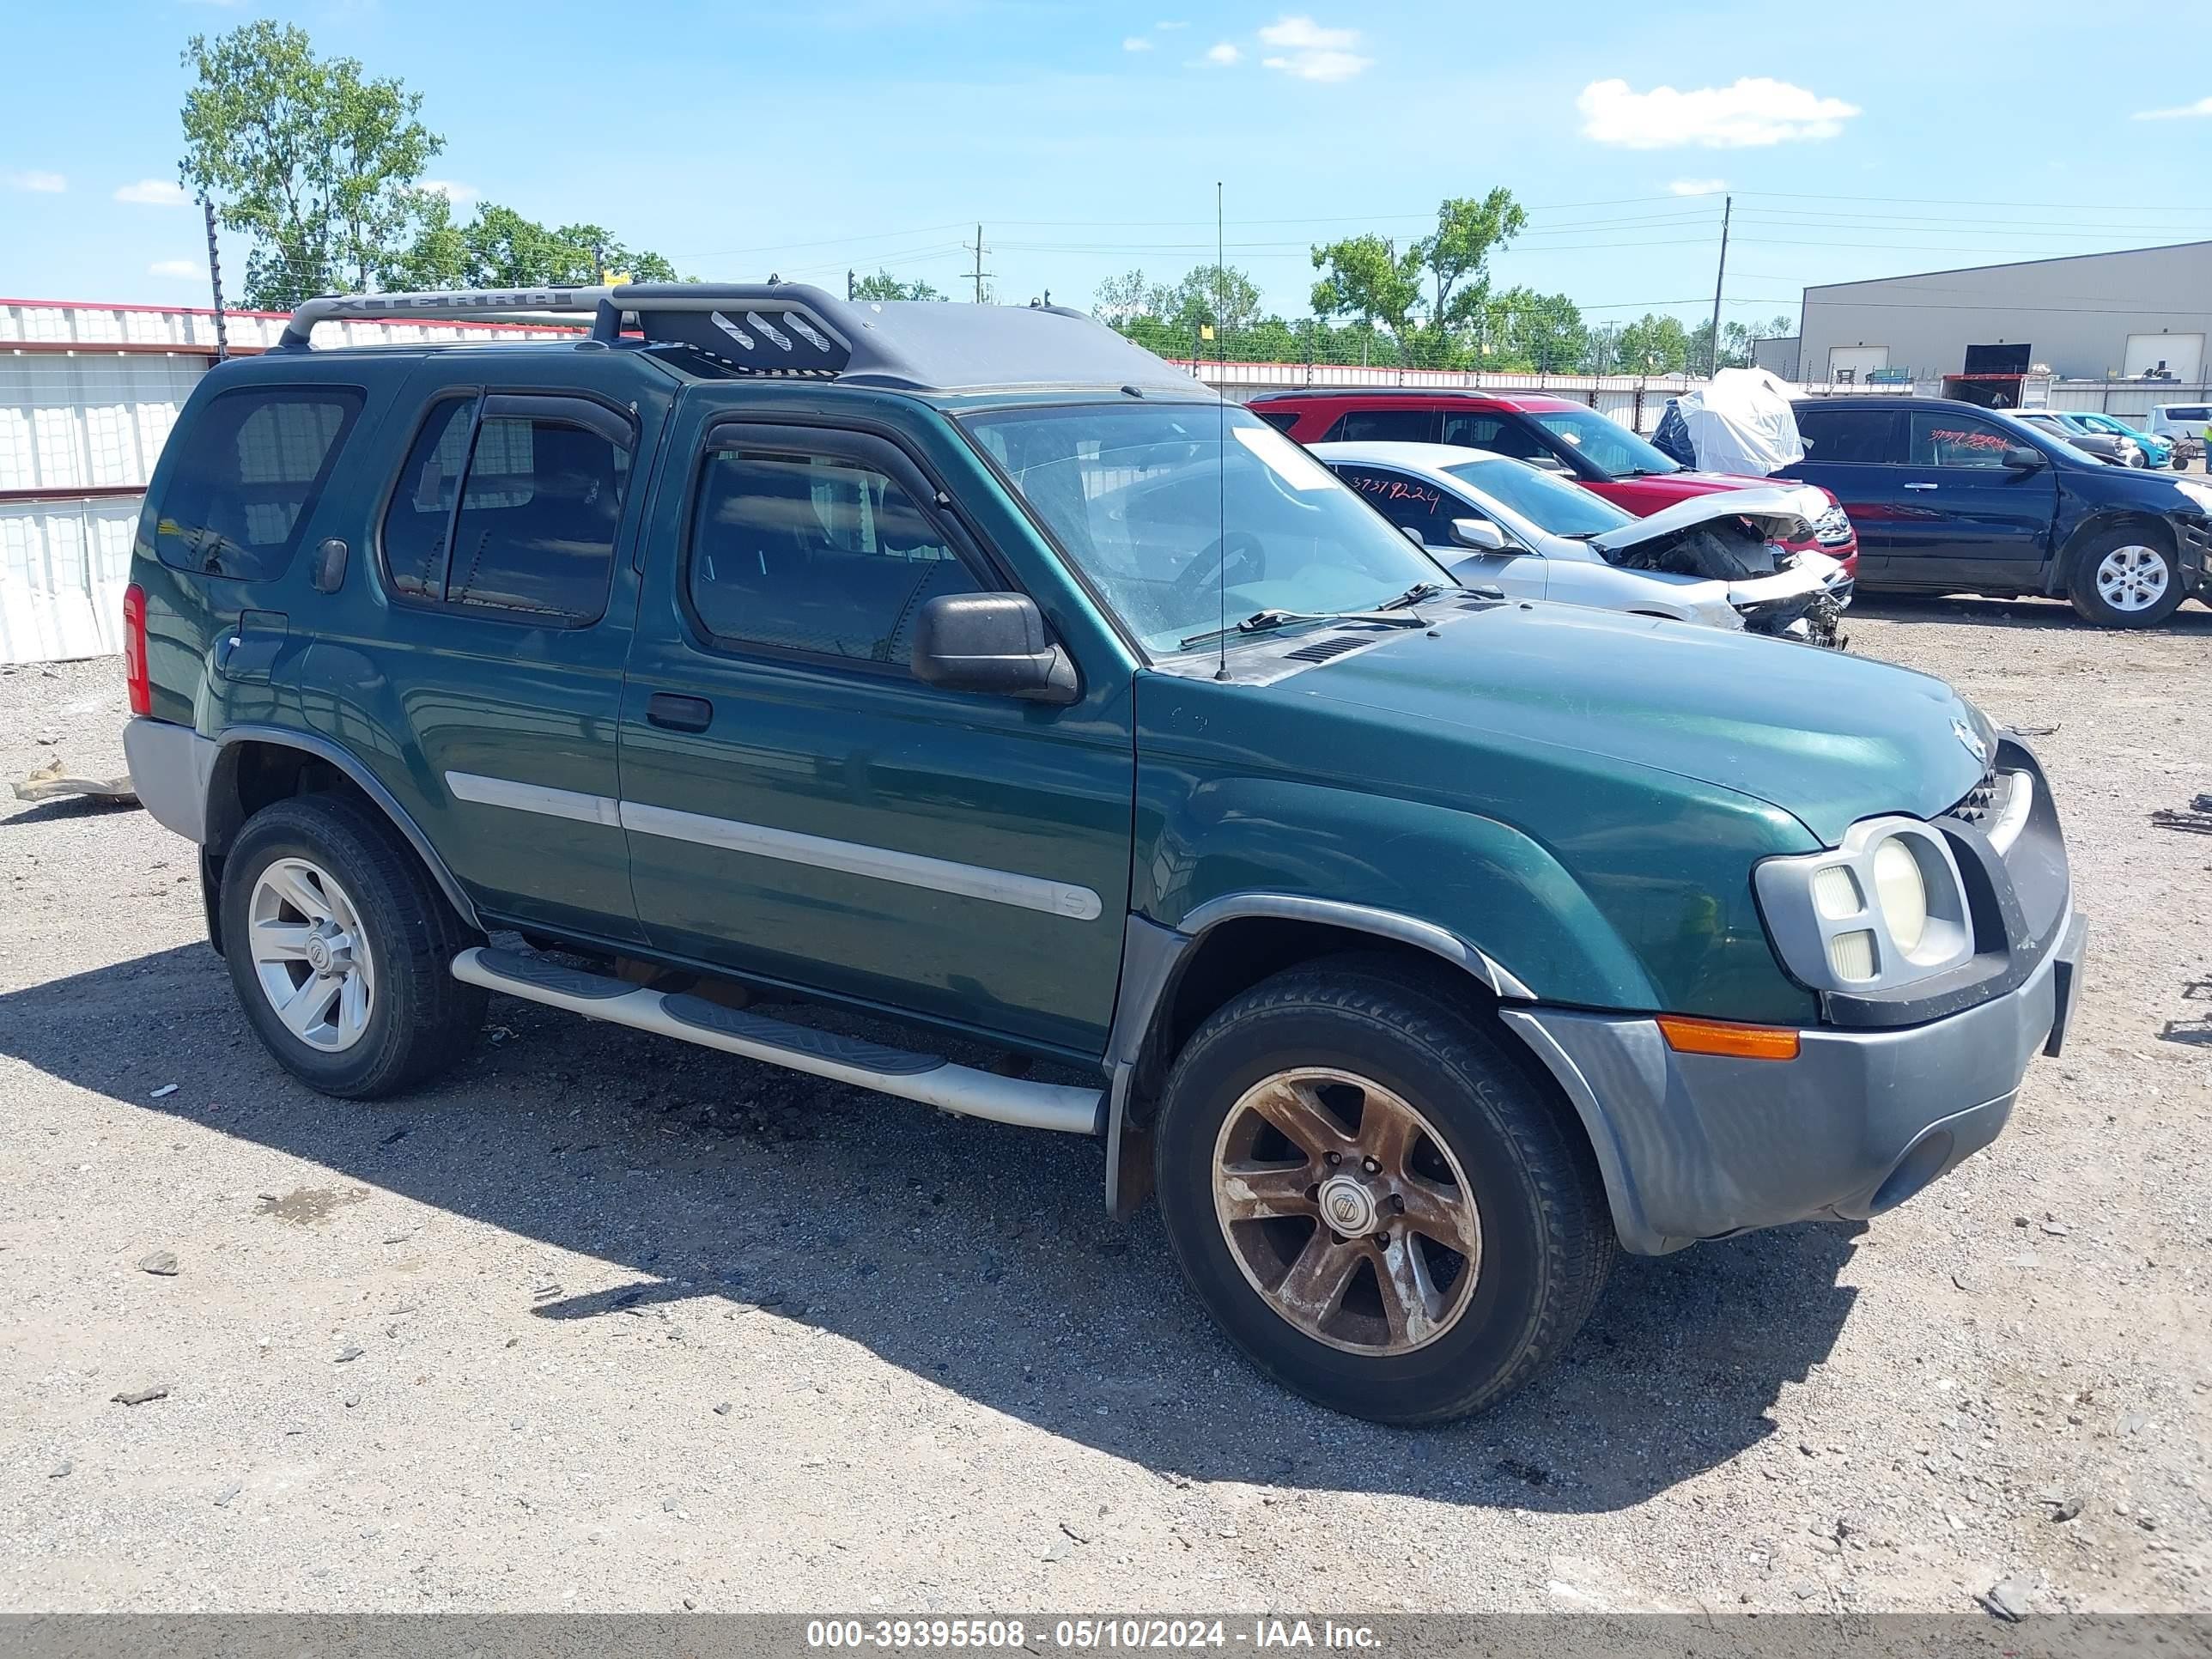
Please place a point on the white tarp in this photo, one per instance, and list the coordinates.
(1742, 423)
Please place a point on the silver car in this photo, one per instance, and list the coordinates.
(1714, 559)
(2105, 446)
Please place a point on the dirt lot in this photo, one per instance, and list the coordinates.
(607, 1322)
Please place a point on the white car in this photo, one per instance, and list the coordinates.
(1713, 559)
(2184, 423)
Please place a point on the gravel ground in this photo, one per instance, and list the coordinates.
(607, 1322)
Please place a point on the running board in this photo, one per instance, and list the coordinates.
(930, 1078)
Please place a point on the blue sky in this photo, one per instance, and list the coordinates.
(1087, 138)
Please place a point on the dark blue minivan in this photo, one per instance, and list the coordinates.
(1949, 497)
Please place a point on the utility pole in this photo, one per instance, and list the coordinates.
(215, 281)
(1727, 207)
(978, 251)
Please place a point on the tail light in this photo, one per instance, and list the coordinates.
(135, 676)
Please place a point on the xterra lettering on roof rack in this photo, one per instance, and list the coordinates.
(794, 329)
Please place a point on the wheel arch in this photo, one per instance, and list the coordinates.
(1173, 978)
(255, 765)
(2098, 523)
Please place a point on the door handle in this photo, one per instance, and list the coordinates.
(676, 714)
(1920, 486)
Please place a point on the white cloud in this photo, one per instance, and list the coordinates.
(1222, 54)
(42, 184)
(1136, 43)
(2202, 106)
(175, 268)
(1697, 186)
(154, 192)
(1754, 111)
(1310, 52)
(452, 190)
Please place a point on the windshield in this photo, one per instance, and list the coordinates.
(1547, 501)
(1605, 444)
(1165, 504)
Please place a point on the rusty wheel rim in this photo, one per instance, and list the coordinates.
(1347, 1211)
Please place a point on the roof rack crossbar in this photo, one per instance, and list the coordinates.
(788, 328)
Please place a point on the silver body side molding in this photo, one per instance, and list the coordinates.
(932, 1081)
(1054, 898)
(533, 798)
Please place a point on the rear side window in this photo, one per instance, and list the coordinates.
(1500, 434)
(1847, 434)
(1281, 419)
(248, 473)
(1385, 426)
(815, 553)
(510, 505)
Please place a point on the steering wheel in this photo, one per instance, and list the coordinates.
(1224, 557)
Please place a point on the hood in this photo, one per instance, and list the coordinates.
(1827, 738)
(1782, 512)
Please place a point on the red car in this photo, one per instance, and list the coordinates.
(1600, 454)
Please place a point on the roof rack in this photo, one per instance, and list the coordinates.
(794, 329)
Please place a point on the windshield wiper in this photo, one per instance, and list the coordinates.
(1262, 622)
(1412, 595)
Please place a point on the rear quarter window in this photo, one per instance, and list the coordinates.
(248, 473)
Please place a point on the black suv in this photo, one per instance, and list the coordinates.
(1949, 497)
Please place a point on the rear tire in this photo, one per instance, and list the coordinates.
(340, 948)
(1477, 1238)
(2126, 578)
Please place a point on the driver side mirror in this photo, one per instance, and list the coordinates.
(1480, 534)
(2023, 458)
(994, 642)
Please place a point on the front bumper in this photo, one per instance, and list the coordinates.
(1696, 1147)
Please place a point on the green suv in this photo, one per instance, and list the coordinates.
(969, 666)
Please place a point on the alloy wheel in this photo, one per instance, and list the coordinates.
(310, 954)
(1344, 1209)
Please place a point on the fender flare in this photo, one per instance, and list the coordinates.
(309, 743)
(1153, 960)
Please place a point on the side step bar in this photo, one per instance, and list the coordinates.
(930, 1078)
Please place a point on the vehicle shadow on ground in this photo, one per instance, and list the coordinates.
(2192, 620)
(977, 1256)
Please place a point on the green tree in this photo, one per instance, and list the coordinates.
(1368, 279)
(1220, 294)
(500, 248)
(1652, 345)
(1454, 258)
(884, 286)
(1121, 300)
(1523, 329)
(313, 161)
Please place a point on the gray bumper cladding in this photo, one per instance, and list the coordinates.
(1695, 1146)
(169, 767)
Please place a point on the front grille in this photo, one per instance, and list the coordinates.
(1832, 528)
(1984, 801)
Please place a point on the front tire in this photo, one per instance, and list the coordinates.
(2126, 578)
(340, 948)
(1384, 1214)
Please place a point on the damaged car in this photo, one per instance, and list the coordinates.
(1719, 559)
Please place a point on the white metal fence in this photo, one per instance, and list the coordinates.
(88, 395)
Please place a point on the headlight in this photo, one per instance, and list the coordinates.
(1903, 894)
(2199, 496)
(1883, 909)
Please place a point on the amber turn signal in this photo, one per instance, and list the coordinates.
(1721, 1037)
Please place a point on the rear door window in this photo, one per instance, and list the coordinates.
(248, 473)
(1385, 426)
(1281, 419)
(1847, 436)
(510, 504)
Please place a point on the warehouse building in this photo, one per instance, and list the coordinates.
(2140, 315)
